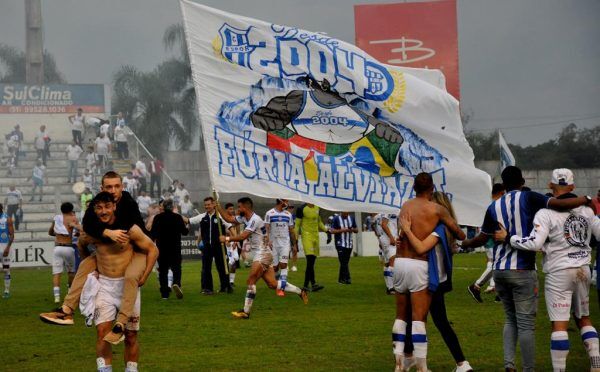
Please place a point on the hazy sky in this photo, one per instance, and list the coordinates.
(522, 62)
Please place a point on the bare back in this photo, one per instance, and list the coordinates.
(425, 216)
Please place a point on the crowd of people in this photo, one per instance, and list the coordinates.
(416, 249)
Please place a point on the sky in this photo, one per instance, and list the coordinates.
(532, 64)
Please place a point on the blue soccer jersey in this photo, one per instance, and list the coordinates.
(515, 211)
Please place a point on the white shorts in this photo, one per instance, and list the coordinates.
(264, 256)
(108, 302)
(281, 251)
(410, 275)
(566, 289)
(63, 258)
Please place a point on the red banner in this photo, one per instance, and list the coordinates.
(422, 34)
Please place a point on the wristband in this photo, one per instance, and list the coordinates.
(227, 239)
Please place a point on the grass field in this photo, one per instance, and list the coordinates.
(342, 328)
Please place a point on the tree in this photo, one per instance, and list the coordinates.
(572, 148)
(161, 104)
(12, 67)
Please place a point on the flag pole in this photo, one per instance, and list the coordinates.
(220, 226)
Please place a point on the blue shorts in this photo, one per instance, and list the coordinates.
(38, 181)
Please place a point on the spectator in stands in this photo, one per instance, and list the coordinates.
(42, 144)
(173, 186)
(186, 206)
(38, 176)
(120, 119)
(142, 172)
(73, 153)
(13, 202)
(102, 148)
(130, 184)
(13, 151)
(121, 140)
(156, 169)
(19, 136)
(180, 193)
(77, 126)
(105, 128)
(88, 179)
(144, 202)
(166, 194)
(91, 159)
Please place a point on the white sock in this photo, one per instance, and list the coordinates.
(56, 291)
(481, 281)
(6, 280)
(170, 278)
(131, 367)
(419, 339)
(388, 276)
(288, 287)
(101, 364)
(231, 277)
(398, 338)
(590, 341)
(250, 295)
(559, 349)
(283, 278)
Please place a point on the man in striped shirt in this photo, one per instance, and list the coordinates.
(514, 270)
(342, 227)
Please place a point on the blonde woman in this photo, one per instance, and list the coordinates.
(437, 308)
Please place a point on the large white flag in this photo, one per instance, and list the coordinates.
(506, 156)
(295, 114)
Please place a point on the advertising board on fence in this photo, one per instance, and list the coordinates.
(51, 99)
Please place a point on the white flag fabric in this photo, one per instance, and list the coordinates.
(289, 113)
(506, 156)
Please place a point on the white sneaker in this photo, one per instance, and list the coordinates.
(294, 268)
(465, 367)
(489, 289)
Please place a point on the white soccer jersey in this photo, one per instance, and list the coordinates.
(279, 224)
(256, 226)
(392, 220)
(564, 237)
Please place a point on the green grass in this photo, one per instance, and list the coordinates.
(342, 328)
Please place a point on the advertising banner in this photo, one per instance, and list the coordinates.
(51, 99)
(419, 34)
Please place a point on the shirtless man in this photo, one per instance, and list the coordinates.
(411, 278)
(127, 214)
(113, 259)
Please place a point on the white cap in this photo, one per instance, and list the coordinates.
(562, 176)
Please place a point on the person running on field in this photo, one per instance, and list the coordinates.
(263, 259)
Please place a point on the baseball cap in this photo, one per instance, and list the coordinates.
(562, 176)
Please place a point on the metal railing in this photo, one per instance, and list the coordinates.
(138, 143)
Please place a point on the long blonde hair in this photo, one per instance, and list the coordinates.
(443, 200)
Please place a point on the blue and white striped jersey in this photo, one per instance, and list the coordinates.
(343, 239)
(515, 211)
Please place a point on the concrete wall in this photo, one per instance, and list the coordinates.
(587, 181)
